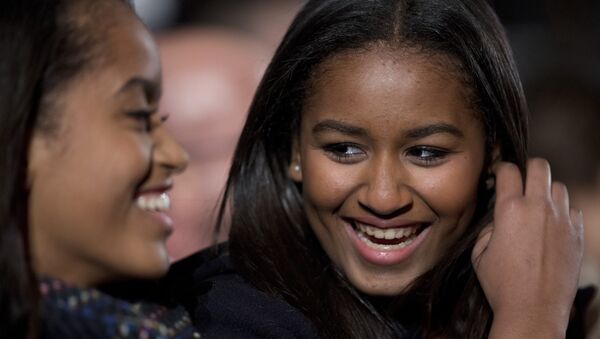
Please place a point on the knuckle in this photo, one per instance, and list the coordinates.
(559, 185)
(507, 167)
(512, 205)
(559, 188)
(538, 163)
(542, 204)
(545, 211)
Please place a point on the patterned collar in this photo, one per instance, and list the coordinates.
(73, 312)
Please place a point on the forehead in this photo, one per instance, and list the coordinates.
(390, 87)
(119, 44)
(126, 73)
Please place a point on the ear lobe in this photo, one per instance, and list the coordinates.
(295, 172)
(489, 176)
(295, 168)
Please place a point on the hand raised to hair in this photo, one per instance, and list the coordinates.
(528, 259)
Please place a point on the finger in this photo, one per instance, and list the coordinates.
(539, 179)
(509, 182)
(576, 216)
(481, 244)
(560, 197)
(579, 229)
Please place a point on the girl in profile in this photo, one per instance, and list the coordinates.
(381, 187)
(86, 170)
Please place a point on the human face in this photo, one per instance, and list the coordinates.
(99, 183)
(389, 147)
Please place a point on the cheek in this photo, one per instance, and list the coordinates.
(451, 189)
(103, 170)
(325, 184)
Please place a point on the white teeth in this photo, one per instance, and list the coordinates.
(154, 203)
(409, 233)
(382, 247)
(390, 233)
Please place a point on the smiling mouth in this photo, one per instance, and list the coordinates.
(154, 202)
(387, 239)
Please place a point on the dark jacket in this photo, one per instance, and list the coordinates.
(225, 306)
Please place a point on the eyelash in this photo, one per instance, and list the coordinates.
(142, 116)
(436, 155)
(422, 155)
(339, 152)
(145, 117)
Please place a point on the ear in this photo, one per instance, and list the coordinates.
(295, 166)
(495, 157)
(37, 156)
(488, 174)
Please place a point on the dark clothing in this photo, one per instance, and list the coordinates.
(577, 324)
(228, 307)
(82, 313)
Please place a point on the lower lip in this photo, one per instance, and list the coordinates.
(163, 219)
(381, 257)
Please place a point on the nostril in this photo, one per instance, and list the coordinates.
(387, 200)
(387, 213)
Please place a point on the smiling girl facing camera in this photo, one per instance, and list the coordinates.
(381, 188)
(86, 168)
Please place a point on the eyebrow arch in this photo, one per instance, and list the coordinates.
(425, 131)
(150, 88)
(340, 127)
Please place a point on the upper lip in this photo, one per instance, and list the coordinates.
(158, 189)
(382, 223)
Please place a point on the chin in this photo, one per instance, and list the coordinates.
(152, 269)
(383, 286)
(387, 290)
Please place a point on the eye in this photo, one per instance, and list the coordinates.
(344, 153)
(427, 155)
(143, 118)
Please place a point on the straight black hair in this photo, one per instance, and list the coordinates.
(45, 44)
(271, 241)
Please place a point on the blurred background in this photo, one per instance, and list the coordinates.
(214, 52)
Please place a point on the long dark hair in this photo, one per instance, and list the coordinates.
(271, 241)
(44, 45)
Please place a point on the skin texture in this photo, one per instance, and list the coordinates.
(356, 160)
(530, 297)
(209, 79)
(85, 227)
(588, 199)
(382, 172)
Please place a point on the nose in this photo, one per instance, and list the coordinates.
(169, 154)
(387, 192)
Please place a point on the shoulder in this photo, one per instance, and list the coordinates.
(226, 306)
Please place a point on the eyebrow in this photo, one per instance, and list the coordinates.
(425, 131)
(340, 127)
(415, 133)
(150, 88)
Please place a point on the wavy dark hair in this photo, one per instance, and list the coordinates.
(271, 242)
(45, 45)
